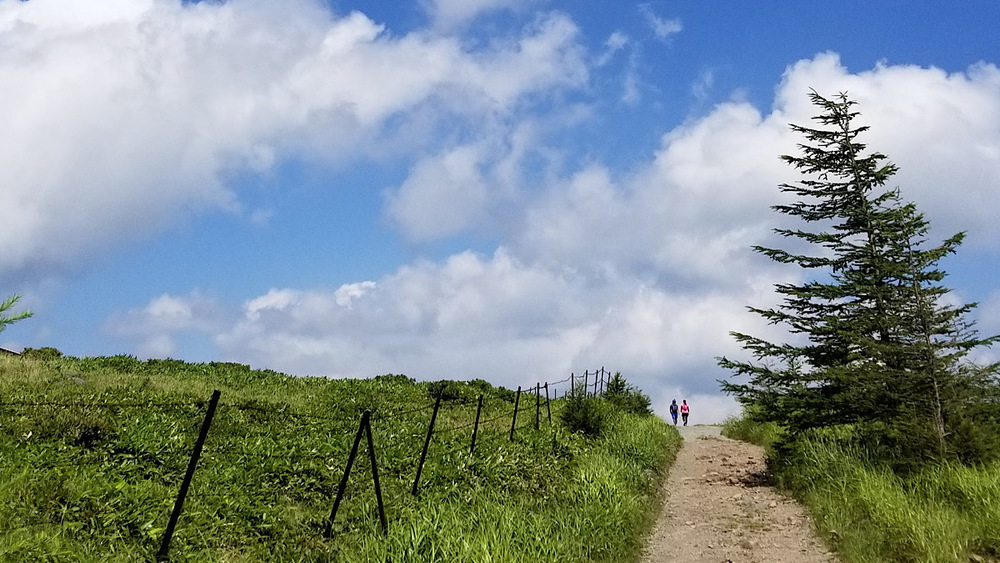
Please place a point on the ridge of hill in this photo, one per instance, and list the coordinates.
(93, 452)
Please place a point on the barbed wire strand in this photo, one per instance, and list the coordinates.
(97, 404)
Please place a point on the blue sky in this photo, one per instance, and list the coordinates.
(504, 189)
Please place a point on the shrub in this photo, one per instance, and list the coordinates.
(584, 414)
(627, 397)
(46, 353)
(396, 378)
(449, 391)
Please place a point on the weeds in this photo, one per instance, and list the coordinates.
(940, 513)
(96, 483)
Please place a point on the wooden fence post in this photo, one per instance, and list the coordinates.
(427, 443)
(175, 515)
(513, 421)
(586, 384)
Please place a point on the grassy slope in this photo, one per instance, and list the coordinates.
(97, 483)
(945, 513)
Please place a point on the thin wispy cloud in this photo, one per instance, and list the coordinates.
(663, 28)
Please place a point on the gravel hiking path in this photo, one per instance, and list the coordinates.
(718, 509)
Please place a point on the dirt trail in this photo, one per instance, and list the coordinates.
(718, 510)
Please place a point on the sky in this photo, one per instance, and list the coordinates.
(510, 190)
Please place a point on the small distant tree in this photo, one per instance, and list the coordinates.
(626, 397)
(883, 349)
(8, 318)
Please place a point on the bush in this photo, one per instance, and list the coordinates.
(450, 391)
(584, 414)
(46, 353)
(627, 397)
(396, 378)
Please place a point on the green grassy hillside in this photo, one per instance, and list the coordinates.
(93, 451)
(941, 513)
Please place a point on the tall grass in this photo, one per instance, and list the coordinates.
(97, 484)
(746, 429)
(943, 513)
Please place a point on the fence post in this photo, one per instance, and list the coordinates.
(175, 515)
(538, 401)
(548, 405)
(586, 384)
(427, 443)
(475, 427)
(347, 473)
(513, 421)
(572, 383)
(378, 486)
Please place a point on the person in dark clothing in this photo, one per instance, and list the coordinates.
(673, 411)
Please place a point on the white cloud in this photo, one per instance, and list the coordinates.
(615, 42)
(702, 87)
(943, 130)
(158, 323)
(449, 14)
(123, 116)
(645, 272)
(442, 196)
(662, 28)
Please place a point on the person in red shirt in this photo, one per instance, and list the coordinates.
(685, 409)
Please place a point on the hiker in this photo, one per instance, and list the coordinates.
(684, 411)
(673, 411)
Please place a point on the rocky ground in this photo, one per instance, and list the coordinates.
(719, 509)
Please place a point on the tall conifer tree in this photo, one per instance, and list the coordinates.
(8, 318)
(880, 347)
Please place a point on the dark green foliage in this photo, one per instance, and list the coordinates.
(46, 353)
(584, 414)
(452, 391)
(505, 394)
(395, 378)
(883, 349)
(8, 318)
(627, 397)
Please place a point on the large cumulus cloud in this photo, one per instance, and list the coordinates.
(121, 117)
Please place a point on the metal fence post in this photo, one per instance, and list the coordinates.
(548, 404)
(427, 443)
(538, 401)
(378, 486)
(475, 427)
(513, 421)
(168, 533)
(347, 473)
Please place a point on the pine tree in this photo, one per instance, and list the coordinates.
(878, 347)
(5, 318)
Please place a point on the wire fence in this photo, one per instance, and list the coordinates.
(532, 402)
